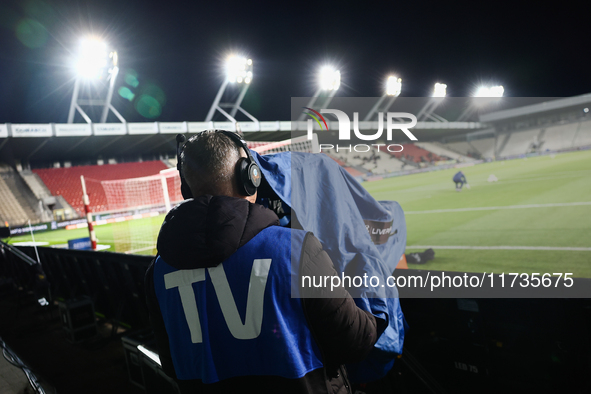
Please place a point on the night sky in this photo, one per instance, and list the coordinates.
(175, 51)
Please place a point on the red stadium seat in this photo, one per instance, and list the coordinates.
(66, 181)
(416, 154)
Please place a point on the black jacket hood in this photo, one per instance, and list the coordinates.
(203, 232)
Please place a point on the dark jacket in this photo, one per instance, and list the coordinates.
(202, 233)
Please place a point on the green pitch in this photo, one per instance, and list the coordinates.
(134, 236)
(543, 192)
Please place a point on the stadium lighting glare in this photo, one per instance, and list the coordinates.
(393, 86)
(330, 78)
(93, 58)
(440, 90)
(239, 69)
(94, 61)
(489, 91)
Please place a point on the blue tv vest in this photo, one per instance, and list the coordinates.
(239, 318)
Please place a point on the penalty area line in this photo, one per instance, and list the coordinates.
(141, 249)
(560, 204)
(548, 248)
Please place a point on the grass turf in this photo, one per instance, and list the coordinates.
(135, 236)
(564, 178)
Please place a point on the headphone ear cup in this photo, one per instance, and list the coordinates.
(244, 184)
(254, 174)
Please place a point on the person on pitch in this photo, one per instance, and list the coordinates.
(460, 179)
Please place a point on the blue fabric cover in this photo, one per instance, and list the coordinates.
(329, 202)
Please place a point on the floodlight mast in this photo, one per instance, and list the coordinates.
(329, 81)
(392, 91)
(482, 96)
(490, 91)
(238, 71)
(94, 60)
(428, 111)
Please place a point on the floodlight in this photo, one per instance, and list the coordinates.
(330, 78)
(440, 90)
(492, 91)
(586, 110)
(93, 62)
(93, 58)
(239, 69)
(393, 86)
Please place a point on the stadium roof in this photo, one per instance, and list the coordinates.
(80, 141)
(546, 106)
(43, 144)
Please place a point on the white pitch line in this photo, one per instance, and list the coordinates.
(141, 249)
(550, 248)
(563, 204)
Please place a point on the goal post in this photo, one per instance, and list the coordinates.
(134, 209)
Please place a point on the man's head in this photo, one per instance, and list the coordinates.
(209, 162)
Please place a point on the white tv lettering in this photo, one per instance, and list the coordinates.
(184, 279)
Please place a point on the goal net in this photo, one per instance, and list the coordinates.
(299, 144)
(135, 207)
(148, 192)
(133, 210)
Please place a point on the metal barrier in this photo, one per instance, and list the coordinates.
(114, 282)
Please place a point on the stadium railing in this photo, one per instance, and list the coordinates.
(114, 282)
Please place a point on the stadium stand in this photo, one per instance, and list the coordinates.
(462, 147)
(552, 138)
(501, 143)
(416, 154)
(583, 137)
(442, 151)
(376, 162)
(66, 181)
(44, 196)
(559, 137)
(35, 184)
(520, 143)
(11, 211)
(389, 164)
(493, 336)
(171, 162)
(18, 202)
(485, 146)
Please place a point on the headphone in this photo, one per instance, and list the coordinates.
(248, 173)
